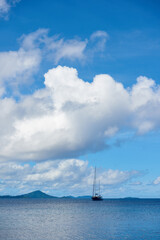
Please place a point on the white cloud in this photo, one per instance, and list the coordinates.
(145, 97)
(136, 183)
(5, 6)
(34, 39)
(156, 181)
(100, 38)
(15, 63)
(112, 177)
(71, 49)
(70, 117)
(18, 67)
(57, 48)
(73, 175)
(111, 131)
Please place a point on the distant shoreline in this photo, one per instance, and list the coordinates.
(41, 195)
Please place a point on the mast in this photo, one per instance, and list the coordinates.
(94, 182)
(96, 189)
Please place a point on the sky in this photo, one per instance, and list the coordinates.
(79, 88)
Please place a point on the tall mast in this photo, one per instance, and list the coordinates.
(94, 182)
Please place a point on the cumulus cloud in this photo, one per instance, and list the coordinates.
(73, 175)
(70, 117)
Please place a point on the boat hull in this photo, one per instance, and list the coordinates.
(97, 198)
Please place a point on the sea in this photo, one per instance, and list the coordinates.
(81, 219)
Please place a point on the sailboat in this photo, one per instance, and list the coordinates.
(96, 195)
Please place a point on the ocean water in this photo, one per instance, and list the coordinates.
(71, 219)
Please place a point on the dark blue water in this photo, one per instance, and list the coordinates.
(62, 219)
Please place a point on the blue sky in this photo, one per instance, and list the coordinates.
(79, 88)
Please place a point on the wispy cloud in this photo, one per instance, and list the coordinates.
(100, 38)
(17, 67)
(68, 49)
(57, 48)
(156, 181)
(5, 7)
(36, 48)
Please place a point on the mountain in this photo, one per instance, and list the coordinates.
(131, 198)
(39, 194)
(84, 197)
(35, 194)
(67, 197)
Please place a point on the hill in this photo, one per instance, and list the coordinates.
(35, 194)
(40, 194)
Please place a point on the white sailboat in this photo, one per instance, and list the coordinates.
(96, 196)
